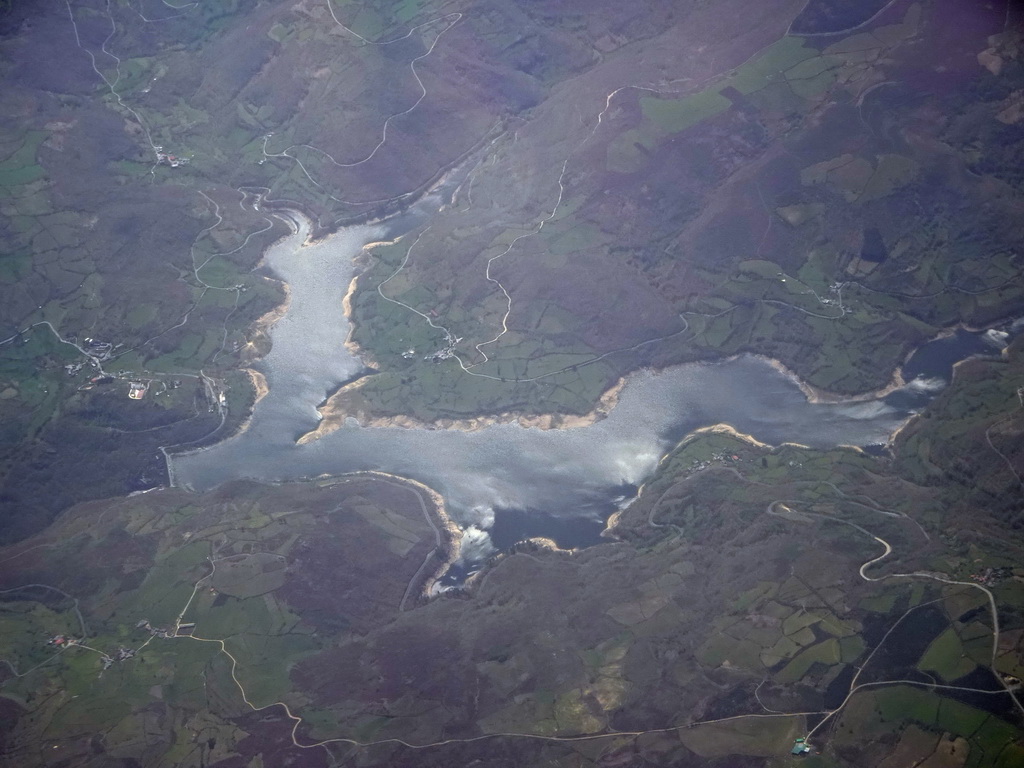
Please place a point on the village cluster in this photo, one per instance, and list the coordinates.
(65, 641)
(990, 577)
(96, 351)
(168, 159)
(447, 351)
(716, 458)
(698, 465)
(835, 289)
(100, 350)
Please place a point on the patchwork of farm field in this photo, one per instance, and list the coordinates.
(827, 183)
(804, 201)
(142, 149)
(751, 598)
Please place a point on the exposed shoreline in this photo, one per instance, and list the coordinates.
(613, 519)
(334, 416)
(818, 396)
(259, 383)
(539, 544)
(914, 416)
(448, 533)
(335, 413)
(346, 305)
(265, 322)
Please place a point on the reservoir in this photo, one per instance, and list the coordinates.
(506, 479)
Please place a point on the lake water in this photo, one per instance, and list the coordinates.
(505, 479)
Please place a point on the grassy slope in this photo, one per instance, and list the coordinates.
(704, 597)
(737, 202)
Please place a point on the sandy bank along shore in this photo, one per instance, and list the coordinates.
(338, 409)
(447, 533)
(818, 395)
